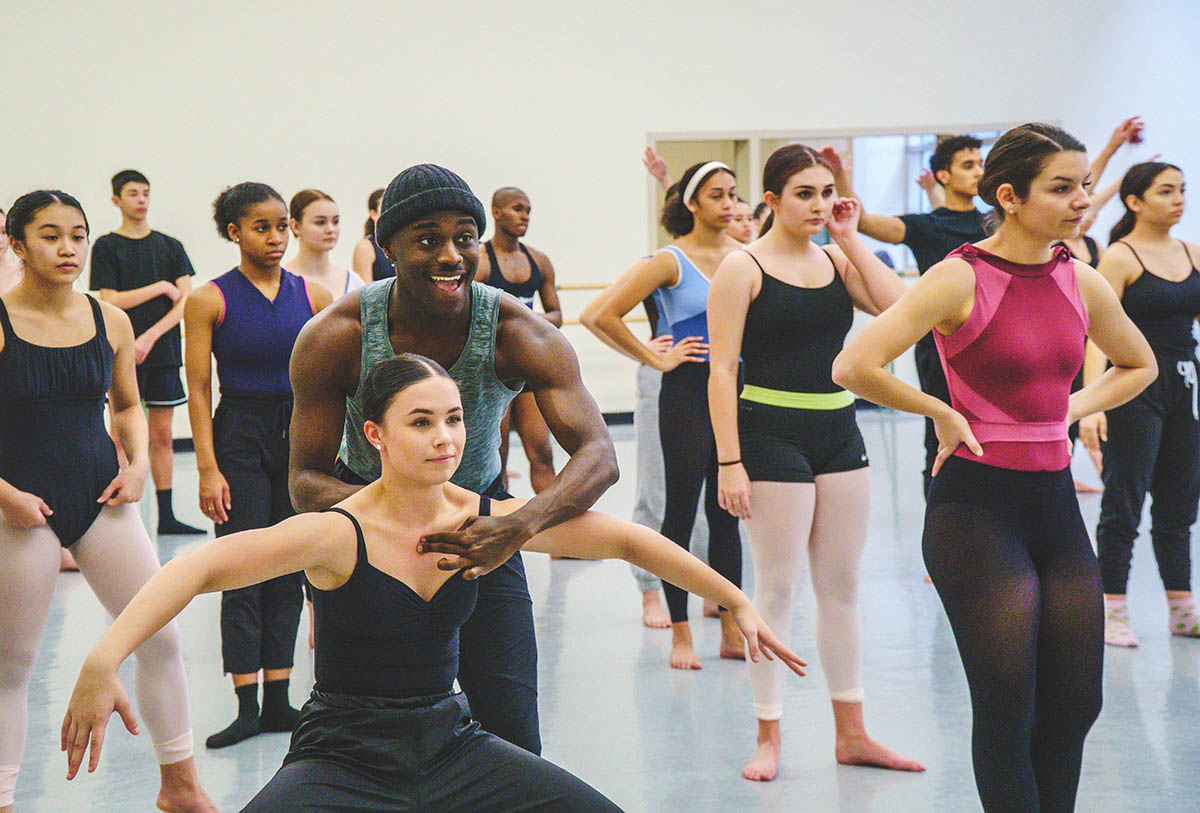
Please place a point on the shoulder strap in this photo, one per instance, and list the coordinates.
(5, 321)
(98, 315)
(492, 261)
(1135, 254)
(534, 271)
(762, 270)
(485, 505)
(1188, 253)
(362, 542)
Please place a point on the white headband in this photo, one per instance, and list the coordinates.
(698, 176)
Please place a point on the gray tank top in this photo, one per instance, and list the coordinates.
(484, 397)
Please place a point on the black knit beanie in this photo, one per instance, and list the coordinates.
(422, 189)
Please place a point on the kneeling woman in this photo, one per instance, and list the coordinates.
(383, 729)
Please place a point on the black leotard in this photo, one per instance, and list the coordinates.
(1162, 309)
(52, 437)
(524, 291)
(376, 637)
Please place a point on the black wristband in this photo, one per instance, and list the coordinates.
(729, 462)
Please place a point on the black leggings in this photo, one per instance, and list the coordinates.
(1012, 563)
(689, 462)
(1153, 446)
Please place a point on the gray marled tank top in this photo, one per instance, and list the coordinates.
(484, 397)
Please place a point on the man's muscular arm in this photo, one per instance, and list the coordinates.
(529, 347)
(324, 368)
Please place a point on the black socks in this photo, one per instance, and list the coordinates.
(277, 712)
(167, 524)
(246, 725)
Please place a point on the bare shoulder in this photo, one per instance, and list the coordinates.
(953, 275)
(116, 321)
(332, 339)
(529, 347)
(539, 256)
(1093, 287)
(840, 261)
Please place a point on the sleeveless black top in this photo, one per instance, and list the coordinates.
(524, 291)
(1164, 310)
(793, 334)
(52, 437)
(1093, 250)
(377, 638)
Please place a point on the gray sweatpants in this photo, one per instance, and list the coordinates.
(651, 482)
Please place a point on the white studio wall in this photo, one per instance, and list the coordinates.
(556, 98)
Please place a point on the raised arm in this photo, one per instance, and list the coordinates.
(880, 227)
(304, 542)
(1126, 130)
(548, 293)
(734, 286)
(530, 348)
(933, 189)
(324, 369)
(872, 286)
(941, 299)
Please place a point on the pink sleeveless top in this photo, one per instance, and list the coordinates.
(1011, 364)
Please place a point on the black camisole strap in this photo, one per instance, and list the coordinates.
(1135, 255)
(495, 264)
(98, 315)
(534, 271)
(5, 322)
(764, 271)
(756, 262)
(1189, 254)
(362, 542)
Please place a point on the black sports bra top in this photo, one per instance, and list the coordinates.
(524, 291)
(1164, 310)
(793, 334)
(376, 637)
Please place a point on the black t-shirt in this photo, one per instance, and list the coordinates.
(934, 235)
(125, 263)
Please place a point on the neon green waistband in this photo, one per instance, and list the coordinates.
(798, 400)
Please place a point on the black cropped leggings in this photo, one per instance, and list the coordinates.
(1012, 563)
(689, 462)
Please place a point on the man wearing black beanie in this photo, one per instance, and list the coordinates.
(429, 227)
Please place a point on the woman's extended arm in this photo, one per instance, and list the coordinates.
(307, 541)
(599, 536)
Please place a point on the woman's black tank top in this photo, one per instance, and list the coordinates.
(793, 334)
(52, 437)
(1093, 249)
(524, 291)
(382, 267)
(1164, 310)
(377, 638)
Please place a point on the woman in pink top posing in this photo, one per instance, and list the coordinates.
(1004, 541)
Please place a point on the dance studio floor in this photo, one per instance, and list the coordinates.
(654, 739)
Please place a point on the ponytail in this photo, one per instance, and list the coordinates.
(1137, 180)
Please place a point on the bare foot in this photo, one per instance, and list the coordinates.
(653, 613)
(1085, 488)
(764, 765)
(682, 655)
(185, 800)
(733, 643)
(865, 751)
(710, 609)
